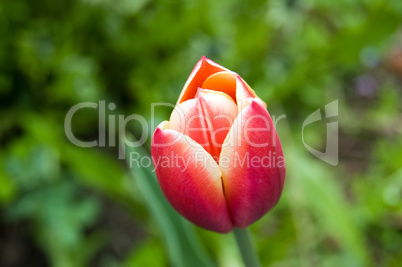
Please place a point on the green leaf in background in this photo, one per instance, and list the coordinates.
(180, 238)
(327, 205)
(150, 253)
(7, 188)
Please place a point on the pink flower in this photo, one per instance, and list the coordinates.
(218, 159)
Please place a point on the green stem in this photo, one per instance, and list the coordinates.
(246, 247)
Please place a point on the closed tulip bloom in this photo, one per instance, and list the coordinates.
(218, 159)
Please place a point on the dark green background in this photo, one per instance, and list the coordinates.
(62, 205)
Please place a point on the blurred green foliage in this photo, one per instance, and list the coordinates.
(63, 205)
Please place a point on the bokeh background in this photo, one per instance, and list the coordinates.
(63, 205)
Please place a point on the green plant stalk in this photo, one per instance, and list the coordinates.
(246, 247)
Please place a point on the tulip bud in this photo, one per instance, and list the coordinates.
(218, 159)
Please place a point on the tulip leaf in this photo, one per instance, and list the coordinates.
(181, 241)
(327, 203)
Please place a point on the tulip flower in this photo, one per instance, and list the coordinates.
(218, 160)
